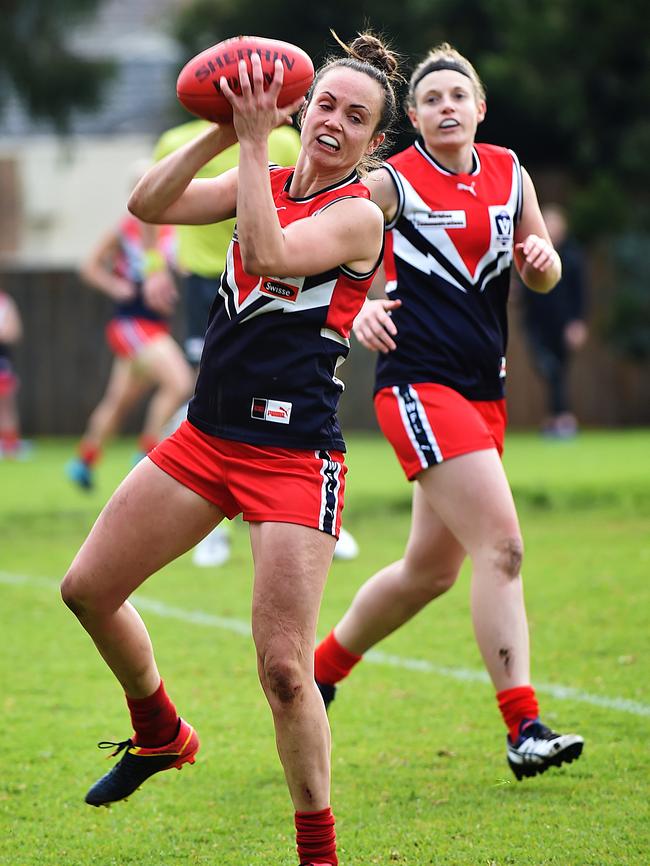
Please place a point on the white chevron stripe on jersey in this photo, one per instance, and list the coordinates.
(435, 235)
(426, 263)
(231, 298)
(496, 259)
(329, 334)
(318, 296)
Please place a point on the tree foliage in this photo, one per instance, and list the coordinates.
(575, 75)
(49, 78)
(568, 81)
(627, 323)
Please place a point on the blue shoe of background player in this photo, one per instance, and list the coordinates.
(80, 474)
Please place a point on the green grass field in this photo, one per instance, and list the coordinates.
(419, 772)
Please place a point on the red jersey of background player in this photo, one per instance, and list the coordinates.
(268, 370)
(450, 256)
(129, 264)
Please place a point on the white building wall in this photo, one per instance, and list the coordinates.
(72, 191)
(63, 193)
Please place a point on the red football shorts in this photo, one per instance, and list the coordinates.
(280, 485)
(127, 337)
(427, 423)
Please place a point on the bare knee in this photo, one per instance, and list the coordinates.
(79, 596)
(113, 403)
(424, 581)
(187, 386)
(281, 673)
(509, 554)
(179, 386)
(180, 392)
(71, 594)
(421, 593)
(283, 680)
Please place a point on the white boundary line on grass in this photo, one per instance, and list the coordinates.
(240, 627)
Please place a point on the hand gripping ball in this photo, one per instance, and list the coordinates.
(198, 87)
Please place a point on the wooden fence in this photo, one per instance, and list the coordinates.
(63, 364)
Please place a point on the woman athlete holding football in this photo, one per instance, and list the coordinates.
(460, 213)
(262, 436)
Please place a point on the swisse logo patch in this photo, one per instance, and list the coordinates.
(276, 411)
(278, 289)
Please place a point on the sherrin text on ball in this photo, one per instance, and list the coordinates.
(198, 87)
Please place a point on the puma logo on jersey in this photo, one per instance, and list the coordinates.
(276, 411)
(467, 187)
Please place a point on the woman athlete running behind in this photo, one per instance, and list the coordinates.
(460, 213)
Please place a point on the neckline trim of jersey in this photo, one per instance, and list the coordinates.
(476, 162)
(353, 177)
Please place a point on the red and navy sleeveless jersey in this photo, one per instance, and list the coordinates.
(129, 264)
(268, 370)
(448, 261)
(5, 357)
(5, 349)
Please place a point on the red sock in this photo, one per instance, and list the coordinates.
(316, 837)
(147, 443)
(332, 662)
(10, 442)
(89, 454)
(154, 719)
(516, 705)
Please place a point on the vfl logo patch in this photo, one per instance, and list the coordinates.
(276, 411)
(502, 238)
(278, 289)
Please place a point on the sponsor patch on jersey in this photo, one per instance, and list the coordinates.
(276, 411)
(277, 289)
(443, 219)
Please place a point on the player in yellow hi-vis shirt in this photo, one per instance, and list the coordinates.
(201, 251)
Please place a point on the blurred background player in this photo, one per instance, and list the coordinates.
(555, 325)
(146, 355)
(201, 257)
(11, 331)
